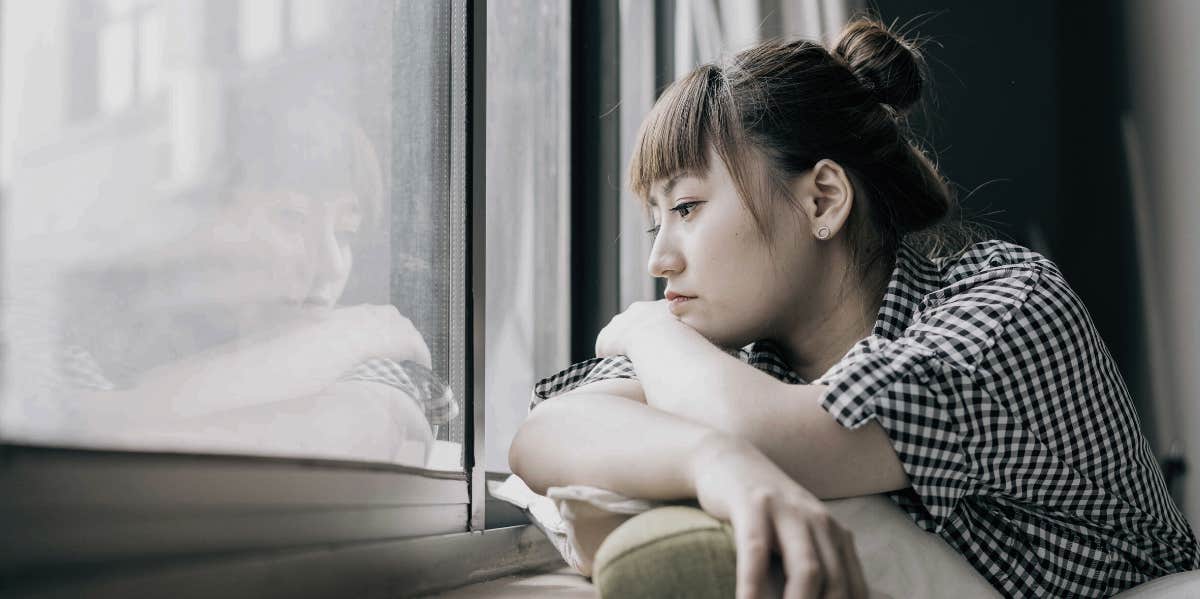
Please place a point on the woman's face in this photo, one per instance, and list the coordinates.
(289, 247)
(739, 287)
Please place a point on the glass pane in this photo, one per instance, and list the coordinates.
(256, 264)
(260, 28)
(117, 8)
(528, 88)
(151, 50)
(310, 20)
(116, 65)
(426, 268)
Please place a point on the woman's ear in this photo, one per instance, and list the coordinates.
(826, 196)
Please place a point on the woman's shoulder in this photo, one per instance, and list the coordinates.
(985, 291)
(990, 254)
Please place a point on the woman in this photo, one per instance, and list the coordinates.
(792, 215)
(231, 337)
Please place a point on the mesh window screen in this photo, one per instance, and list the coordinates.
(228, 228)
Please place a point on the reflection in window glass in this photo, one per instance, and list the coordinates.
(116, 65)
(240, 268)
(151, 53)
(118, 7)
(260, 28)
(527, 193)
(310, 19)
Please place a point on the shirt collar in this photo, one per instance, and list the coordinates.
(913, 277)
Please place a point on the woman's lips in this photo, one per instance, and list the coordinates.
(676, 301)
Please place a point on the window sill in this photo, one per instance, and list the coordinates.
(405, 568)
(564, 583)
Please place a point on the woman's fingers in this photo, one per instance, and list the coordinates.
(753, 543)
(826, 537)
(854, 573)
(801, 561)
(819, 557)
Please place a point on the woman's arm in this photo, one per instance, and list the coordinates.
(682, 373)
(785, 422)
(636, 450)
(352, 419)
(589, 438)
(298, 360)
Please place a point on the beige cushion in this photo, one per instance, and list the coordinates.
(680, 551)
(673, 551)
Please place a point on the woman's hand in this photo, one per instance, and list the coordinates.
(371, 331)
(769, 511)
(638, 320)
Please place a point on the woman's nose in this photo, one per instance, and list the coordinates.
(665, 259)
(329, 257)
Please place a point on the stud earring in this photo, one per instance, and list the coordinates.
(823, 233)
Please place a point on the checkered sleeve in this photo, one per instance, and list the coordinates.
(922, 389)
(415, 381)
(904, 387)
(580, 374)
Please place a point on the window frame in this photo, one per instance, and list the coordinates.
(107, 522)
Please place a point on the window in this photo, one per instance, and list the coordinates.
(115, 56)
(269, 27)
(236, 317)
(528, 217)
(255, 296)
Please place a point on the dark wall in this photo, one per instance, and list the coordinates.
(1024, 117)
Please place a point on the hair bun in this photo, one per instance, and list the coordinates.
(887, 65)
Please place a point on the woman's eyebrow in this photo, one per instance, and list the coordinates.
(668, 186)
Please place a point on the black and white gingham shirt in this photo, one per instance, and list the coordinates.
(1010, 418)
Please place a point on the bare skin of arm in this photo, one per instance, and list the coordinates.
(593, 439)
(681, 373)
(610, 419)
(596, 413)
(298, 360)
(351, 419)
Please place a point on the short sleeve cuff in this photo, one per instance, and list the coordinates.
(580, 374)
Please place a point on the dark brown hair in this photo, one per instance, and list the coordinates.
(793, 103)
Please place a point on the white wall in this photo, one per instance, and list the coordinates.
(1165, 75)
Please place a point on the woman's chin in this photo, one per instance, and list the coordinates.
(722, 339)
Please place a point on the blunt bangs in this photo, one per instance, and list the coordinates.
(693, 115)
(674, 137)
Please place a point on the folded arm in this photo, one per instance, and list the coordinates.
(590, 438)
(639, 451)
(680, 373)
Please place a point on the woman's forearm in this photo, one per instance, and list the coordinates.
(696, 380)
(610, 442)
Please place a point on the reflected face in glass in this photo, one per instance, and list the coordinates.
(289, 247)
(329, 229)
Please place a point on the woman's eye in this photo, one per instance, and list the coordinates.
(653, 231)
(685, 208)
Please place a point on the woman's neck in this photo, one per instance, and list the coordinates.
(846, 315)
